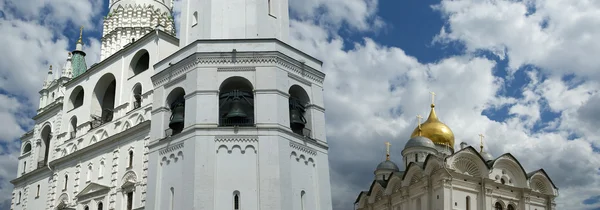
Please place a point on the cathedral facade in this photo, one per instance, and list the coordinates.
(438, 178)
(228, 116)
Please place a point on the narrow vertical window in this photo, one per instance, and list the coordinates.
(100, 206)
(130, 159)
(89, 174)
(172, 197)
(101, 169)
(236, 200)
(195, 18)
(19, 201)
(416, 157)
(468, 203)
(66, 182)
(38, 191)
(302, 200)
(269, 5)
(24, 166)
(129, 200)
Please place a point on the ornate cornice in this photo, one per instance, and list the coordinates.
(171, 148)
(303, 148)
(236, 138)
(234, 69)
(241, 58)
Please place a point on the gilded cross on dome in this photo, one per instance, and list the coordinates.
(432, 99)
(419, 118)
(387, 154)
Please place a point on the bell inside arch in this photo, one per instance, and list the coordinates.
(297, 120)
(177, 117)
(236, 110)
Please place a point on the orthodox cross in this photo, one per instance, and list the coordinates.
(432, 97)
(481, 141)
(387, 154)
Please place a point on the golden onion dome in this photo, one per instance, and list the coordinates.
(435, 130)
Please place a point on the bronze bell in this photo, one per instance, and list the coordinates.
(297, 121)
(236, 110)
(177, 117)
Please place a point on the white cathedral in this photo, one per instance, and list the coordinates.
(438, 178)
(228, 116)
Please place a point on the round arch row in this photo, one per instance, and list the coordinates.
(236, 106)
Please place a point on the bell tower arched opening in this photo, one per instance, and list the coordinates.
(299, 117)
(46, 137)
(236, 102)
(104, 95)
(176, 102)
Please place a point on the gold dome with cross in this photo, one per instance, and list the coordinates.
(434, 129)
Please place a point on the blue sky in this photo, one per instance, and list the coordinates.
(524, 73)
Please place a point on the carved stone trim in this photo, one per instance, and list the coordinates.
(236, 69)
(236, 138)
(303, 148)
(299, 79)
(171, 148)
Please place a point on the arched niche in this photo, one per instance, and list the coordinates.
(176, 103)
(300, 122)
(236, 102)
(137, 96)
(73, 127)
(46, 136)
(104, 100)
(76, 98)
(507, 169)
(539, 182)
(140, 62)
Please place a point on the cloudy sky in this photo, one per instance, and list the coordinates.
(523, 73)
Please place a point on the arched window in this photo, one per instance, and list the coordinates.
(468, 203)
(137, 96)
(236, 102)
(140, 62)
(86, 208)
(297, 107)
(172, 197)
(19, 201)
(502, 181)
(130, 159)
(416, 157)
(498, 206)
(302, 200)
(510, 207)
(89, 174)
(100, 206)
(46, 137)
(101, 169)
(176, 102)
(76, 98)
(104, 97)
(195, 18)
(27, 148)
(66, 182)
(129, 200)
(73, 129)
(236, 200)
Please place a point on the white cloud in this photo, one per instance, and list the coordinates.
(357, 14)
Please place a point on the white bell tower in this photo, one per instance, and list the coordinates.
(234, 19)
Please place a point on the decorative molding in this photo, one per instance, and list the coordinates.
(236, 69)
(175, 81)
(171, 148)
(299, 79)
(303, 148)
(227, 139)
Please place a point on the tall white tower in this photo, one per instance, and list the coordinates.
(234, 19)
(238, 115)
(129, 20)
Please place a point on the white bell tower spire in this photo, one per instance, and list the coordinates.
(129, 20)
(234, 19)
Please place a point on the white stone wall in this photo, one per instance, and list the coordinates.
(234, 19)
(105, 149)
(270, 167)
